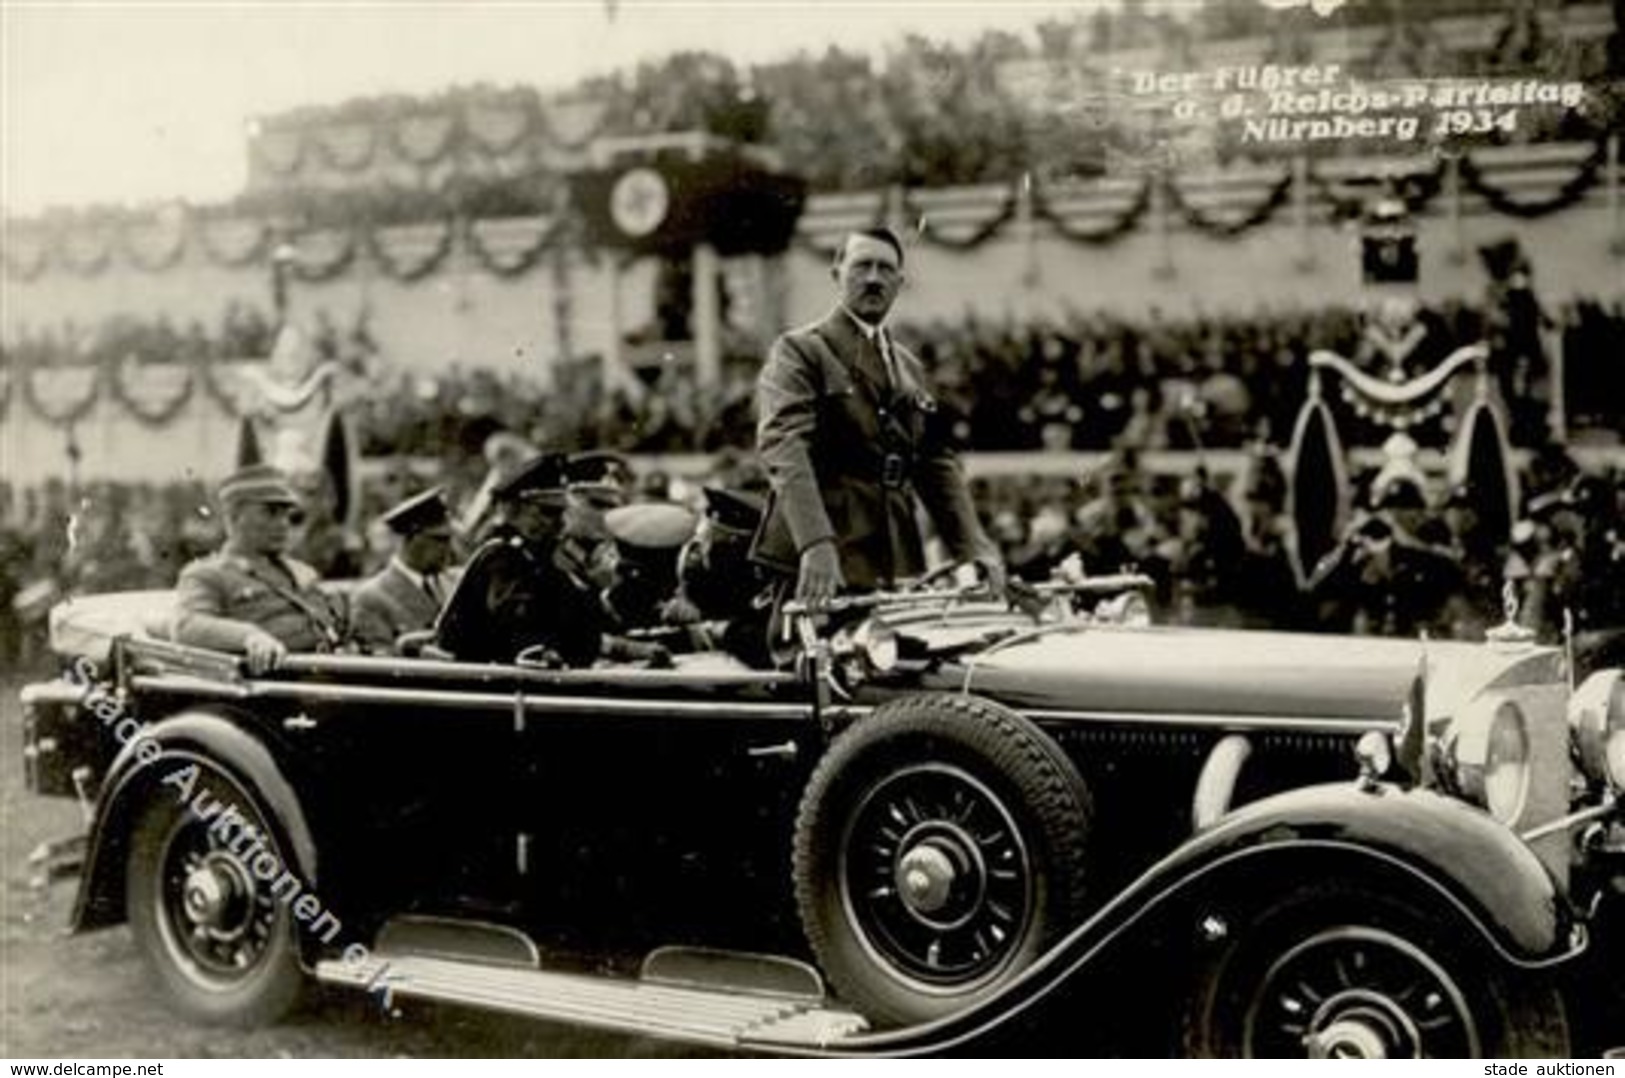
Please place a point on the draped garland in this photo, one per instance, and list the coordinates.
(827, 252)
(114, 373)
(1415, 189)
(318, 272)
(167, 260)
(74, 413)
(255, 252)
(983, 233)
(88, 244)
(1565, 196)
(517, 264)
(20, 270)
(332, 157)
(1110, 233)
(1202, 221)
(407, 272)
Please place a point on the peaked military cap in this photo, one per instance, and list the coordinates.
(258, 483)
(650, 526)
(542, 478)
(601, 475)
(734, 510)
(418, 513)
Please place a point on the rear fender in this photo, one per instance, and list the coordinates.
(209, 741)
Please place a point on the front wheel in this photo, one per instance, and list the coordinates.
(1342, 974)
(201, 906)
(939, 850)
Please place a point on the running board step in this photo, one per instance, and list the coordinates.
(652, 1005)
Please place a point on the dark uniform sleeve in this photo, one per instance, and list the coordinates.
(507, 601)
(787, 403)
(463, 628)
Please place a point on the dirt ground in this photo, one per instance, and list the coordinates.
(89, 996)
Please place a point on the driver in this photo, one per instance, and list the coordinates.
(849, 436)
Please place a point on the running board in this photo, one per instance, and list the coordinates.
(665, 1001)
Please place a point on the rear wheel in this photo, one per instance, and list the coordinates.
(199, 899)
(940, 848)
(1342, 973)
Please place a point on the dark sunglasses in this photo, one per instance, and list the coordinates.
(294, 513)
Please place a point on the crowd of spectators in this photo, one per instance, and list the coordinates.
(1080, 381)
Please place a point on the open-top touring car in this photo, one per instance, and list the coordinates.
(948, 827)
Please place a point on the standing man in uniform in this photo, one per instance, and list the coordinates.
(251, 597)
(849, 434)
(407, 594)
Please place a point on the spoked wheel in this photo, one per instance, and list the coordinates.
(1369, 977)
(1360, 993)
(935, 865)
(211, 928)
(939, 850)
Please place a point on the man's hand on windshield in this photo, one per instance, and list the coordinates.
(991, 568)
(820, 579)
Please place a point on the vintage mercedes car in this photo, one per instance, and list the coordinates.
(950, 827)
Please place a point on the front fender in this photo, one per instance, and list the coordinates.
(1447, 853)
(1443, 844)
(210, 740)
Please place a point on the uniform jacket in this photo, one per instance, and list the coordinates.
(220, 599)
(389, 604)
(848, 455)
(513, 595)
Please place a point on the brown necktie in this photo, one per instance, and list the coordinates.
(875, 367)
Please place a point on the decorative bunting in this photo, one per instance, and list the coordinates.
(133, 384)
(1110, 233)
(983, 233)
(1202, 221)
(1567, 195)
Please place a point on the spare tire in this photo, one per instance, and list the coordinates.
(940, 848)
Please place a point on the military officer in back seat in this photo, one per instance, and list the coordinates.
(513, 594)
(251, 597)
(598, 482)
(648, 537)
(406, 595)
(718, 583)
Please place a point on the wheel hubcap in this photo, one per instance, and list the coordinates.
(1363, 1033)
(215, 919)
(212, 896)
(933, 873)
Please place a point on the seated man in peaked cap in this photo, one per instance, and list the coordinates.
(406, 595)
(648, 537)
(718, 583)
(513, 594)
(250, 596)
(598, 481)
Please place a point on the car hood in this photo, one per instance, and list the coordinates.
(1169, 670)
